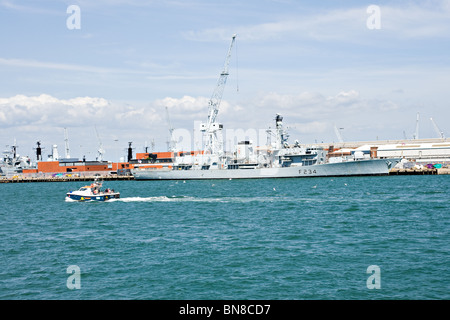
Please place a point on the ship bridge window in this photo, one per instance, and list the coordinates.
(295, 159)
(182, 167)
(308, 162)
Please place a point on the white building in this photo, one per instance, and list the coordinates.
(437, 152)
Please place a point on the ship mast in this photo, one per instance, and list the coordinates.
(66, 142)
(38, 151)
(213, 129)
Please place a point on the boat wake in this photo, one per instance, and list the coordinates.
(187, 199)
(148, 199)
(192, 199)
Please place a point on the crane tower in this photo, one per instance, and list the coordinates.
(171, 143)
(437, 129)
(212, 129)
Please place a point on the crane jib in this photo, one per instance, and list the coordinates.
(211, 127)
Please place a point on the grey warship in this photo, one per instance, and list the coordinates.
(277, 160)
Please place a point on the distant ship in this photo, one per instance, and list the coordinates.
(278, 160)
(12, 164)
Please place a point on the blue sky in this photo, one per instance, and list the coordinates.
(315, 62)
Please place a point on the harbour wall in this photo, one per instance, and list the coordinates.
(59, 177)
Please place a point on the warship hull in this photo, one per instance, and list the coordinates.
(372, 167)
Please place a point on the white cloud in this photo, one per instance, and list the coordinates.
(81, 111)
(189, 108)
(318, 127)
(308, 105)
(184, 104)
(47, 110)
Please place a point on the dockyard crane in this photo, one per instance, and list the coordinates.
(416, 134)
(171, 143)
(436, 128)
(66, 142)
(213, 129)
(338, 134)
(100, 150)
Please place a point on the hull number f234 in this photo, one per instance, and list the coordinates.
(307, 171)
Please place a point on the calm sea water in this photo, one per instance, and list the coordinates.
(239, 239)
